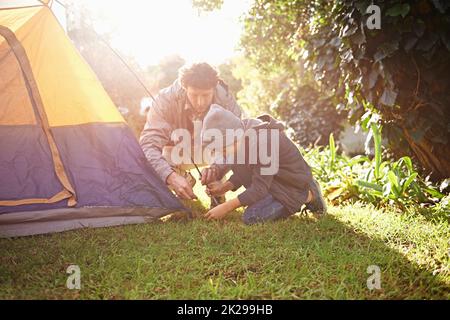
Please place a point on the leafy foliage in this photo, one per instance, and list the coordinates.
(374, 181)
(165, 72)
(259, 90)
(227, 75)
(399, 72)
(311, 115)
(207, 5)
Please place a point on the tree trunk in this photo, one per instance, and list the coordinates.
(434, 157)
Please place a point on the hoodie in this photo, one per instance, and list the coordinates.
(289, 185)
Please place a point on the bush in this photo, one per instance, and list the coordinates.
(374, 181)
(399, 72)
(311, 115)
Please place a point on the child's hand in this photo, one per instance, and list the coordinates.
(217, 213)
(223, 209)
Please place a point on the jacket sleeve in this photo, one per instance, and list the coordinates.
(235, 181)
(156, 135)
(258, 189)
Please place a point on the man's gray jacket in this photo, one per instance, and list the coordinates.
(172, 111)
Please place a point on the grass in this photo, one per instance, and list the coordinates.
(298, 258)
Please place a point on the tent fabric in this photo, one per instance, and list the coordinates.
(36, 103)
(17, 108)
(11, 4)
(58, 68)
(63, 144)
(58, 220)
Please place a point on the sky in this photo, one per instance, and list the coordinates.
(151, 30)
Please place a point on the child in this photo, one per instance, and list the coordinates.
(269, 194)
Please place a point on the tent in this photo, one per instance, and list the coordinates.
(67, 157)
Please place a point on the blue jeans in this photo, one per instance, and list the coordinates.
(266, 209)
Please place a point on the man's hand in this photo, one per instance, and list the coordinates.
(209, 175)
(181, 186)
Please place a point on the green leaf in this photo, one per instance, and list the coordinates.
(408, 181)
(365, 119)
(377, 144)
(357, 159)
(332, 151)
(393, 180)
(408, 162)
(419, 193)
(369, 185)
(434, 193)
(383, 165)
(400, 9)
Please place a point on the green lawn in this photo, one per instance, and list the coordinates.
(297, 258)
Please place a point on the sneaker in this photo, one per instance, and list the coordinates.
(317, 205)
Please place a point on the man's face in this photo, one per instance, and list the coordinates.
(200, 99)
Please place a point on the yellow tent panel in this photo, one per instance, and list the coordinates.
(16, 108)
(58, 69)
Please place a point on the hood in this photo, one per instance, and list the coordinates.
(265, 121)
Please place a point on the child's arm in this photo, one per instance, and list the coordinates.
(223, 209)
(218, 188)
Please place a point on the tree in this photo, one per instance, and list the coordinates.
(226, 74)
(397, 75)
(166, 71)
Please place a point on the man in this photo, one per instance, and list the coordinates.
(187, 100)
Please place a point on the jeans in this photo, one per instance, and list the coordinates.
(266, 209)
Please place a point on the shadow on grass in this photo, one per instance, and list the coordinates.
(342, 251)
(432, 215)
(298, 258)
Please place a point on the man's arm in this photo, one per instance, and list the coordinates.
(155, 136)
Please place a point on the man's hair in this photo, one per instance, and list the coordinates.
(198, 75)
